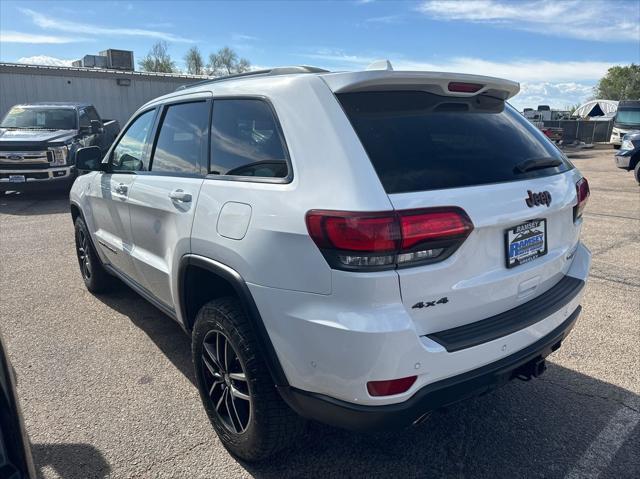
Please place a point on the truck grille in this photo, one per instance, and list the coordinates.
(21, 158)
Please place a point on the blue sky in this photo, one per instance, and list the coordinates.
(557, 49)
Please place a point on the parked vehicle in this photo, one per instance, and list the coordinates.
(627, 119)
(15, 452)
(628, 156)
(38, 143)
(357, 248)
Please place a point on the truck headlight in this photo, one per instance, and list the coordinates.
(59, 155)
(626, 145)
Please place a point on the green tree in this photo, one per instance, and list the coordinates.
(158, 59)
(226, 62)
(620, 83)
(194, 61)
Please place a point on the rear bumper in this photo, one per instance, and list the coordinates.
(433, 396)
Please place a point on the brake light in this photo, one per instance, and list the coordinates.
(582, 193)
(386, 240)
(461, 87)
(391, 387)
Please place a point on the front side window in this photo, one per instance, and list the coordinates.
(246, 141)
(128, 153)
(182, 142)
(84, 119)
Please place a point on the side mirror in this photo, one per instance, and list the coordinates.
(89, 159)
(96, 126)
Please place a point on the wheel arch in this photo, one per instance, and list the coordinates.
(223, 281)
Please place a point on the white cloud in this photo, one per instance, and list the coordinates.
(593, 20)
(45, 60)
(46, 22)
(388, 19)
(7, 36)
(525, 70)
(558, 95)
(541, 82)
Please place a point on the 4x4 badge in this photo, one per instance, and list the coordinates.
(537, 199)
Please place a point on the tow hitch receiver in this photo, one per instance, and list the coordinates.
(532, 369)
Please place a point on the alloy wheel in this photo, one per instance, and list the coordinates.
(226, 382)
(83, 254)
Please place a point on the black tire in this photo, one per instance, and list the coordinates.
(252, 428)
(616, 147)
(95, 277)
(636, 172)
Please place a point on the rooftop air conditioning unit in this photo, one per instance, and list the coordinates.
(119, 59)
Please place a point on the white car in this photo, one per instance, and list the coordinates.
(356, 248)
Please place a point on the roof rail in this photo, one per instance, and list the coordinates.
(265, 72)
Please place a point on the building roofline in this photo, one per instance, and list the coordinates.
(27, 67)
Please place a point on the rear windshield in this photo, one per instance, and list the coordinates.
(421, 141)
(40, 118)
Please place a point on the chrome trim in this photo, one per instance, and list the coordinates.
(25, 156)
(49, 171)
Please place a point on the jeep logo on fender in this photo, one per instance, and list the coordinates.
(537, 199)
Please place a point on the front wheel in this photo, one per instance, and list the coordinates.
(636, 171)
(95, 277)
(242, 403)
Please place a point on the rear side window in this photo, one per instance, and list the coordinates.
(182, 142)
(421, 141)
(246, 140)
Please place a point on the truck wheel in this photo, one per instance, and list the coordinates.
(95, 277)
(636, 172)
(242, 403)
(616, 147)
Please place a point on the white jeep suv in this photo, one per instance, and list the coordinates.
(355, 248)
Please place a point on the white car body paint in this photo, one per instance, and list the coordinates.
(333, 331)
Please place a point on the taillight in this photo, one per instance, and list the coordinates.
(390, 387)
(386, 240)
(582, 192)
(463, 87)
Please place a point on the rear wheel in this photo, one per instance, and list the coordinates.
(95, 277)
(242, 403)
(636, 171)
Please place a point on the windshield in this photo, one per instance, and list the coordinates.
(421, 141)
(628, 117)
(40, 118)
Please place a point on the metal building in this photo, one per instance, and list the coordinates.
(115, 94)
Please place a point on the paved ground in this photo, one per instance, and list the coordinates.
(107, 388)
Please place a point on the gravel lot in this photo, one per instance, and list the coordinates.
(107, 389)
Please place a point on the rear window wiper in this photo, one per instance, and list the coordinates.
(536, 164)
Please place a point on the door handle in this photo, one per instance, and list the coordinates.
(121, 189)
(180, 195)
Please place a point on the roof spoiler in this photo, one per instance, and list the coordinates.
(449, 84)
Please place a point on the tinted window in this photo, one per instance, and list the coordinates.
(45, 118)
(84, 119)
(128, 154)
(182, 142)
(246, 140)
(420, 141)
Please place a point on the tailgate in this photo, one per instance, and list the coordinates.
(475, 280)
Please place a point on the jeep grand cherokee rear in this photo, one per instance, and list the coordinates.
(373, 244)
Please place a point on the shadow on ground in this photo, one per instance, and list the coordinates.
(71, 461)
(542, 428)
(28, 204)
